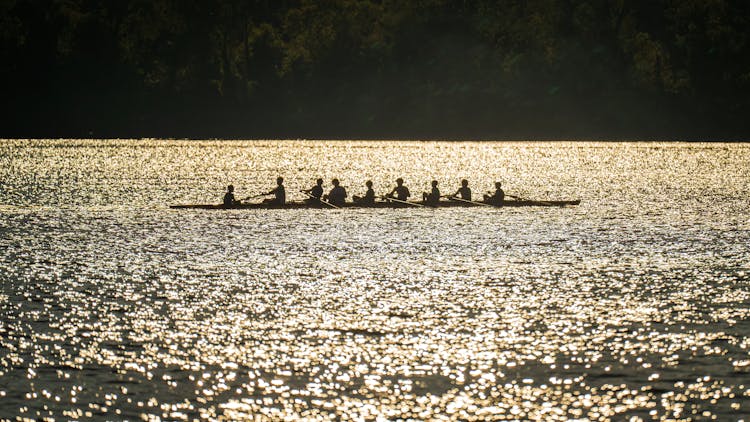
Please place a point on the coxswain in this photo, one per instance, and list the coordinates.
(433, 197)
(229, 200)
(464, 191)
(401, 191)
(496, 198)
(337, 195)
(279, 192)
(369, 197)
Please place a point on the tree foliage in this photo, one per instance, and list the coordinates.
(375, 67)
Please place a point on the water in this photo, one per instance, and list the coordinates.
(634, 304)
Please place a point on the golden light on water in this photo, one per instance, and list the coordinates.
(633, 304)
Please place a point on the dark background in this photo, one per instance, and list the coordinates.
(504, 69)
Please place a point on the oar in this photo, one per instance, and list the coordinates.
(321, 200)
(389, 198)
(524, 199)
(455, 198)
(256, 196)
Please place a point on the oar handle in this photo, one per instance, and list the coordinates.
(255, 196)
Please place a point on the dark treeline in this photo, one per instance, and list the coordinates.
(366, 68)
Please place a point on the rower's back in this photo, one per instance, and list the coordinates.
(337, 195)
(464, 190)
(433, 197)
(498, 197)
(280, 192)
(317, 191)
(401, 191)
(369, 197)
(229, 200)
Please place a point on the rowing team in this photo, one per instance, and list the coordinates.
(337, 195)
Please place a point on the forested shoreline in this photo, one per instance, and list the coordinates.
(504, 69)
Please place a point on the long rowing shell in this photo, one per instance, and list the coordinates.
(441, 204)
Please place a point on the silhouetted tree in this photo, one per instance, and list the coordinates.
(378, 66)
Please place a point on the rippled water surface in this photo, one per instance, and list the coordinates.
(634, 304)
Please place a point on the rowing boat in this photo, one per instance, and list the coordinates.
(384, 204)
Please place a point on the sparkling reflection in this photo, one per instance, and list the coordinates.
(633, 305)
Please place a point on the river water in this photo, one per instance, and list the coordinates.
(634, 304)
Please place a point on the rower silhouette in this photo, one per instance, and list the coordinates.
(401, 191)
(315, 192)
(337, 195)
(464, 191)
(433, 197)
(369, 197)
(496, 198)
(279, 191)
(229, 200)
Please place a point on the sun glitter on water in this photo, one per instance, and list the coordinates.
(632, 305)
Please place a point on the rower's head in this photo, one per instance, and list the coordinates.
(230, 188)
(464, 183)
(497, 185)
(279, 180)
(368, 183)
(434, 183)
(319, 182)
(335, 182)
(399, 181)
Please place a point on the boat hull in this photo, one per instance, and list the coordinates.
(441, 204)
